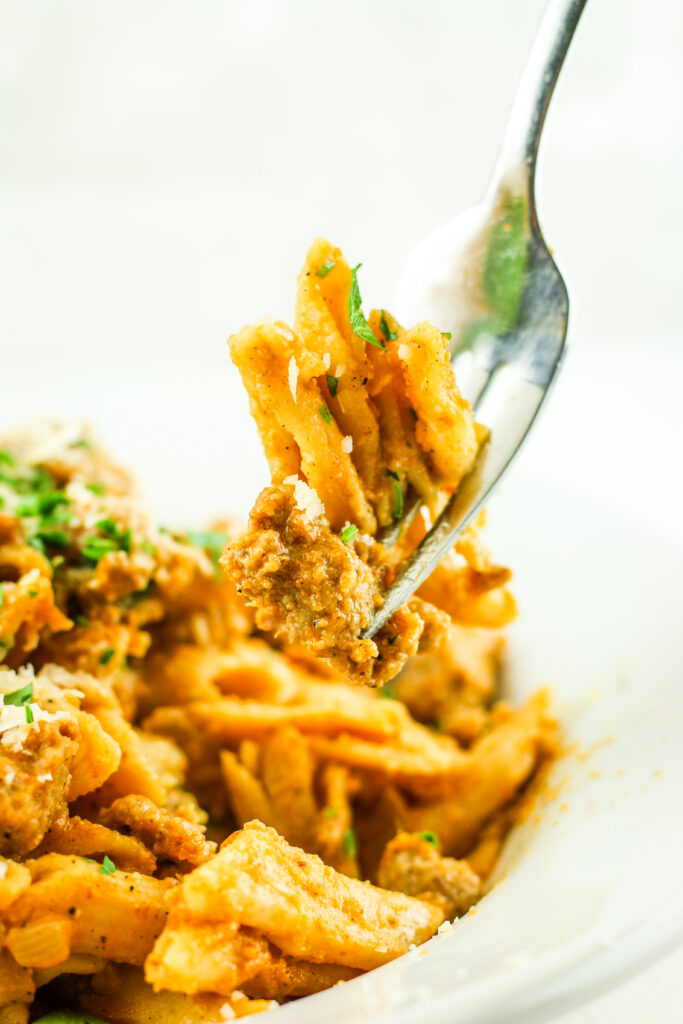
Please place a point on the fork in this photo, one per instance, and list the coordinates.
(490, 279)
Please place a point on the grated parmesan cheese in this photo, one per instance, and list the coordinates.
(338, 372)
(347, 444)
(293, 374)
(403, 352)
(327, 360)
(12, 717)
(305, 498)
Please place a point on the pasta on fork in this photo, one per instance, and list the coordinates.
(352, 413)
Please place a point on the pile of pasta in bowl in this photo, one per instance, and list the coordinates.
(215, 794)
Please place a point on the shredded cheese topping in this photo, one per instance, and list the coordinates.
(305, 498)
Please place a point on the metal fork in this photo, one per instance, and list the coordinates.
(488, 278)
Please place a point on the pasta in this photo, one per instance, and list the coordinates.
(202, 813)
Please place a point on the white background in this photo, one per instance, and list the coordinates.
(166, 164)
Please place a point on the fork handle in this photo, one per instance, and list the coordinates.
(519, 150)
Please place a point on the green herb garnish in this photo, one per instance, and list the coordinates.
(95, 548)
(137, 596)
(113, 531)
(19, 698)
(83, 621)
(332, 384)
(6, 459)
(447, 335)
(324, 270)
(359, 324)
(106, 656)
(398, 500)
(29, 714)
(107, 867)
(325, 413)
(429, 837)
(331, 812)
(385, 329)
(212, 541)
(41, 504)
(83, 442)
(350, 843)
(394, 476)
(348, 533)
(147, 547)
(53, 538)
(98, 489)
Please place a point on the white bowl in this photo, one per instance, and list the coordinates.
(589, 888)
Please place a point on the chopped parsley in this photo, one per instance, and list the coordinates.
(33, 593)
(147, 547)
(398, 500)
(394, 476)
(325, 413)
(29, 714)
(95, 548)
(21, 697)
(83, 442)
(113, 531)
(212, 541)
(107, 867)
(348, 533)
(386, 329)
(98, 489)
(359, 324)
(106, 656)
(57, 561)
(331, 812)
(41, 504)
(83, 621)
(6, 459)
(135, 598)
(36, 543)
(350, 843)
(324, 270)
(332, 384)
(429, 837)
(52, 538)
(447, 335)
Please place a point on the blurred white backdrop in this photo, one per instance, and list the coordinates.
(166, 164)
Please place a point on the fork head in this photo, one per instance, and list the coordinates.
(489, 278)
